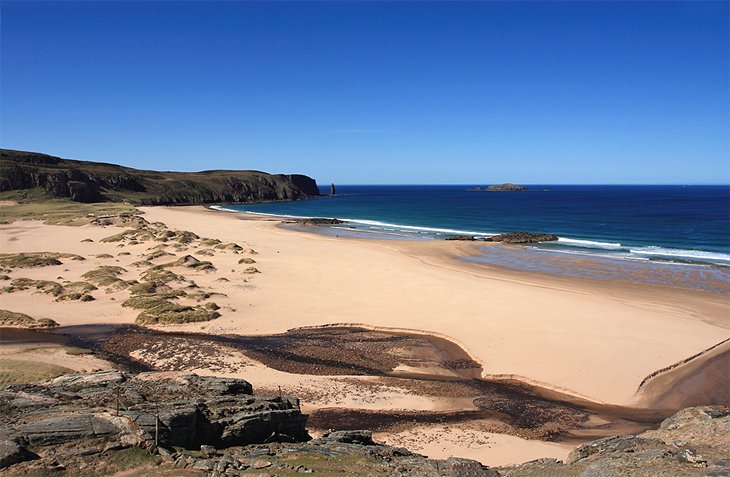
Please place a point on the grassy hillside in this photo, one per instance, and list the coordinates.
(83, 181)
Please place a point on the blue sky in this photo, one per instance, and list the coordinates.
(483, 92)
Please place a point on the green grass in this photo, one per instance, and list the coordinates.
(147, 303)
(160, 275)
(76, 351)
(105, 275)
(35, 205)
(82, 287)
(106, 464)
(169, 313)
(11, 318)
(14, 371)
(120, 236)
(345, 466)
(37, 259)
(44, 286)
(75, 296)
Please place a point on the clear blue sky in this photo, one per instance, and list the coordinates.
(547, 92)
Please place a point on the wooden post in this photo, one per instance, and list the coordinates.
(157, 424)
(119, 389)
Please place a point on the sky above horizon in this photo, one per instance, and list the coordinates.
(376, 92)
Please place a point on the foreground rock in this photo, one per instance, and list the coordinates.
(335, 453)
(522, 237)
(693, 442)
(112, 408)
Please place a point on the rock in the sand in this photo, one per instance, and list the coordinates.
(362, 437)
(522, 237)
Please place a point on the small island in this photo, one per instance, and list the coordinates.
(507, 186)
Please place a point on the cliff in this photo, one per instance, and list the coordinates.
(84, 181)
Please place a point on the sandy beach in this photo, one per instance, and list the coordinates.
(592, 340)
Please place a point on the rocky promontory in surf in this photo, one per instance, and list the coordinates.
(511, 237)
(84, 181)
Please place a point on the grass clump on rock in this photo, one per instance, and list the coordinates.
(21, 320)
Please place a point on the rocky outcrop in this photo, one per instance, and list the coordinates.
(512, 237)
(330, 455)
(149, 409)
(508, 186)
(522, 237)
(693, 442)
(95, 182)
(316, 221)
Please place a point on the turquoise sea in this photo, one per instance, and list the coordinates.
(670, 227)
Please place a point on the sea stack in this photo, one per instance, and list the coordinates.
(332, 189)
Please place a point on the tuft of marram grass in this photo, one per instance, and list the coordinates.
(175, 314)
(38, 259)
(43, 286)
(21, 320)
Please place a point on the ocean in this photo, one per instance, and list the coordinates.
(673, 225)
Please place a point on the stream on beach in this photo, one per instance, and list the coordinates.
(421, 364)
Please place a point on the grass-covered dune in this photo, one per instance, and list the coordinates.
(83, 181)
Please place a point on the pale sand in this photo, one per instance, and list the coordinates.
(453, 441)
(593, 339)
(597, 339)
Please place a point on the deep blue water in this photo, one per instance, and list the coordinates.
(672, 223)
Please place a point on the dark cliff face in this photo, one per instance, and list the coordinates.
(97, 182)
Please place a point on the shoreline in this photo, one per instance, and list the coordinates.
(582, 341)
(575, 244)
(665, 273)
(690, 305)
